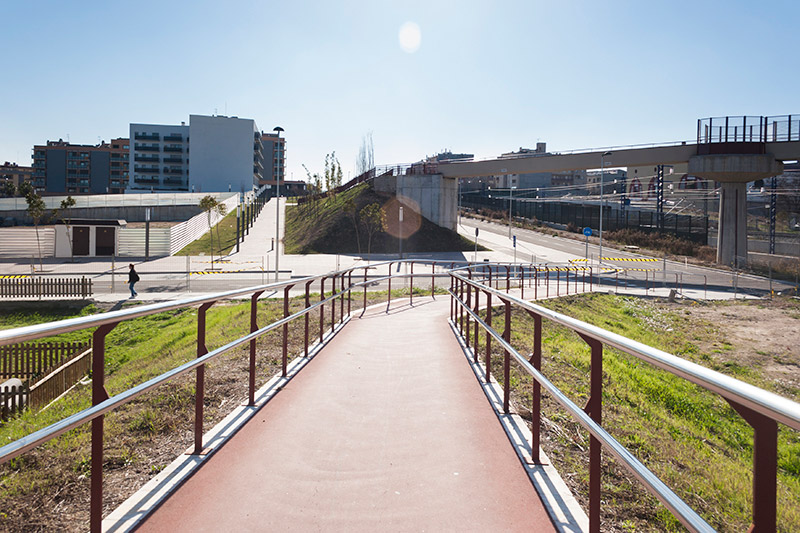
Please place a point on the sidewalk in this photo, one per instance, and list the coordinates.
(395, 435)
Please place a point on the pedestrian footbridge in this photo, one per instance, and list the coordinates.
(389, 417)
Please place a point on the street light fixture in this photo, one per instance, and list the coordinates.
(278, 130)
(602, 167)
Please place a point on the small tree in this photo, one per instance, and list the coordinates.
(210, 205)
(373, 217)
(366, 155)
(66, 207)
(36, 210)
(352, 213)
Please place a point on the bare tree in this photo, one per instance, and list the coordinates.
(36, 210)
(373, 217)
(366, 155)
(66, 207)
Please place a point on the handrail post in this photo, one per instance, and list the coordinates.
(349, 290)
(341, 299)
(508, 278)
(199, 395)
(765, 467)
(253, 327)
(333, 303)
(389, 301)
(558, 281)
(99, 395)
(308, 304)
(475, 309)
(536, 284)
(522, 280)
(433, 280)
(469, 306)
(285, 355)
(507, 358)
(536, 403)
(411, 286)
(594, 409)
(322, 307)
(488, 355)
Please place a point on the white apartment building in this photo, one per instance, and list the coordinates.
(211, 154)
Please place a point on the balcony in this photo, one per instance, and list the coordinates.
(146, 148)
(173, 170)
(173, 138)
(146, 180)
(178, 160)
(146, 158)
(173, 148)
(174, 181)
(146, 170)
(146, 137)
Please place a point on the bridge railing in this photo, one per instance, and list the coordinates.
(761, 409)
(334, 288)
(748, 129)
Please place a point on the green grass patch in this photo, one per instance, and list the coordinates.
(689, 437)
(222, 243)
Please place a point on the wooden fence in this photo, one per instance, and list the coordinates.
(12, 401)
(60, 380)
(30, 362)
(47, 371)
(40, 287)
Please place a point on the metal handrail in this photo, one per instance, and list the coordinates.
(767, 403)
(28, 442)
(672, 501)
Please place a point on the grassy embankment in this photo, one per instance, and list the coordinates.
(689, 437)
(323, 226)
(221, 244)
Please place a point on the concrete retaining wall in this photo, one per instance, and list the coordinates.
(436, 196)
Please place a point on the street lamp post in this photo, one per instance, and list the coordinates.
(510, 208)
(277, 129)
(400, 232)
(602, 167)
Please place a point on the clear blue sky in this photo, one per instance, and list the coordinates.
(487, 77)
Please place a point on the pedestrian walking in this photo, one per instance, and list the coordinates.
(133, 277)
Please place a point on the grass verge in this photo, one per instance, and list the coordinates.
(221, 244)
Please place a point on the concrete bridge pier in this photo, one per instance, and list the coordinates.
(733, 171)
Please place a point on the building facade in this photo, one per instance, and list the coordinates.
(210, 154)
(60, 167)
(273, 149)
(14, 174)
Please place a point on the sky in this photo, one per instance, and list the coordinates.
(469, 76)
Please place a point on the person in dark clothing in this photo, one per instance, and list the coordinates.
(133, 277)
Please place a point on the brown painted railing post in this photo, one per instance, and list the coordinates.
(389, 301)
(341, 299)
(507, 358)
(452, 297)
(99, 395)
(536, 284)
(199, 395)
(765, 468)
(253, 327)
(594, 409)
(536, 361)
(488, 356)
(558, 281)
(508, 278)
(475, 309)
(285, 355)
(433, 280)
(469, 306)
(322, 307)
(411, 286)
(547, 282)
(308, 304)
(333, 303)
(522, 281)
(349, 290)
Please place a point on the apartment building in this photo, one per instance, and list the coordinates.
(210, 154)
(274, 152)
(14, 173)
(60, 167)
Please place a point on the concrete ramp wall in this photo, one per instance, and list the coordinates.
(436, 196)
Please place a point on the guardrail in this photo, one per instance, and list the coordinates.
(760, 409)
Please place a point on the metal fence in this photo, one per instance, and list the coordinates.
(690, 227)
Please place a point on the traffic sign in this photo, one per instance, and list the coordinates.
(587, 231)
(515, 241)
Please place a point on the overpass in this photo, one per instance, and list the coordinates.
(730, 150)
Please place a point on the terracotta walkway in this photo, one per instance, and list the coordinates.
(387, 429)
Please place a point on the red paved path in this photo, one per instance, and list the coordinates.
(386, 429)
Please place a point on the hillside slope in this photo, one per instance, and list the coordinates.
(324, 226)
